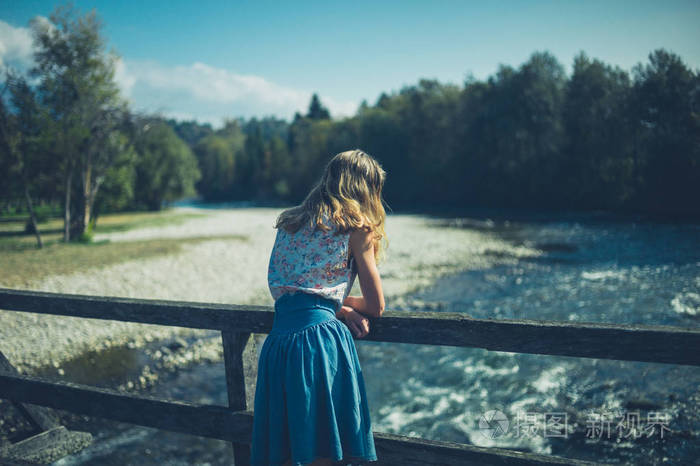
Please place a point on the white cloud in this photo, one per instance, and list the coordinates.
(15, 47)
(197, 91)
(123, 79)
(339, 108)
(213, 94)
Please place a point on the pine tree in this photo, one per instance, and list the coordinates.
(316, 110)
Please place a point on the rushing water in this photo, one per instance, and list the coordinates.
(592, 270)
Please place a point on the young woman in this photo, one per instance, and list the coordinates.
(310, 401)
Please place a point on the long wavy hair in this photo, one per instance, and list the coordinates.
(349, 194)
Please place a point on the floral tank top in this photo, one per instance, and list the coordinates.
(312, 261)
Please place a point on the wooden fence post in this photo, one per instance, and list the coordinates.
(240, 360)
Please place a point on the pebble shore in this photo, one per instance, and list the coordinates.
(224, 271)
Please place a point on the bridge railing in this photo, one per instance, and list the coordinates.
(237, 323)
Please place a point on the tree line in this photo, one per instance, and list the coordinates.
(527, 137)
(531, 136)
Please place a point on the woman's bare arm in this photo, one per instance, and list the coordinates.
(372, 300)
(356, 302)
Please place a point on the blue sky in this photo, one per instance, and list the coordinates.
(212, 58)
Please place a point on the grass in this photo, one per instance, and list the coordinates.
(13, 238)
(19, 268)
(21, 263)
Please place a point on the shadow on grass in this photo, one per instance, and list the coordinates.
(31, 235)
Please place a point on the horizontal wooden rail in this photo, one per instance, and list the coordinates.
(220, 423)
(145, 311)
(644, 343)
(211, 421)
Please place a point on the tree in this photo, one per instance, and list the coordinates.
(307, 142)
(517, 135)
(117, 189)
(191, 131)
(19, 142)
(596, 172)
(667, 140)
(279, 171)
(258, 162)
(77, 87)
(217, 164)
(316, 110)
(166, 168)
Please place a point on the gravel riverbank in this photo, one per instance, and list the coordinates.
(224, 271)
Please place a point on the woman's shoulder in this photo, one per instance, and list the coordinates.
(362, 231)
(361, 236)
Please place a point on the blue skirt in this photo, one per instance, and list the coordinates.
(310, 399)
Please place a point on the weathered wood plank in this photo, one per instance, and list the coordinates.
(395, 449)
(221, 423)
(646, 343)
(236, 361)
(40, 418)
(217, 422)
(47, 447)
(210, 316)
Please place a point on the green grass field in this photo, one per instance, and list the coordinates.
(22, 263)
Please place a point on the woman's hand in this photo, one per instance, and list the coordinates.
(358, 324)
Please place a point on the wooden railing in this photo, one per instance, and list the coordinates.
(661, 344)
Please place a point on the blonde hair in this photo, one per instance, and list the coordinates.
(349, 194)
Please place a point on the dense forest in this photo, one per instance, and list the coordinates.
(528, 137)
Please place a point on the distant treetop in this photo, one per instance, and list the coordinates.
(316, 110)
